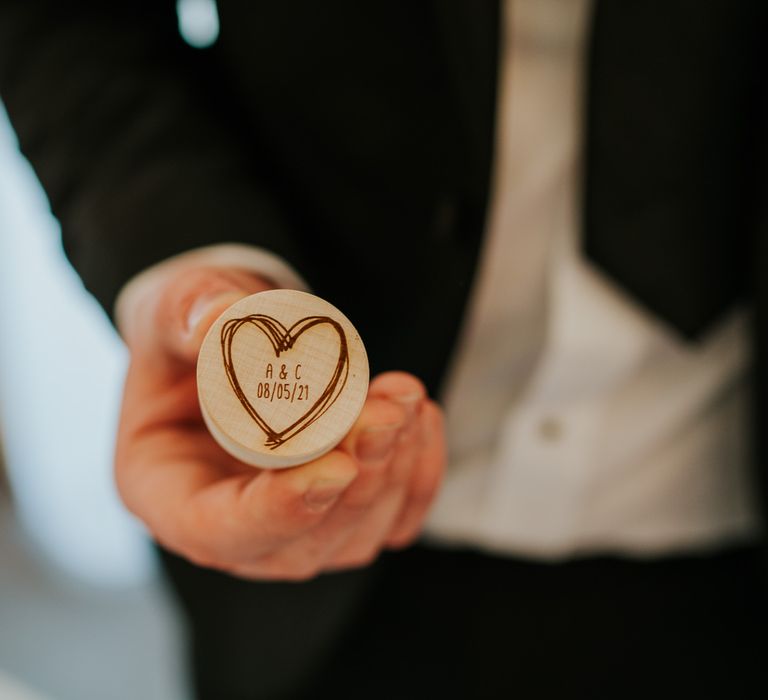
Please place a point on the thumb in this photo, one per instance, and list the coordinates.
(197, 300)
(186, 305)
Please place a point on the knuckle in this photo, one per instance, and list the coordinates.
(204, 560)
(287, 507)
(128, 499)
(296, 572)
(382, 411)
(201, 556)
(296, 512)
(422, 492)
(359, 501)
(361, 495)
(280, 567)
(280, 488)
(304, 573)
(201, 540)
(401, 540)
(343, 463)
(356, 506)
(356, 559)
(435, 414)
(401, 471)
(402, 382)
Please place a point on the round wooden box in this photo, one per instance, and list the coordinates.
(282, 375)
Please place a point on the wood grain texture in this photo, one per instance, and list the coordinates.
(281, 376)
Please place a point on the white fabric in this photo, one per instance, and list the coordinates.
(576, 421)
(579, 423)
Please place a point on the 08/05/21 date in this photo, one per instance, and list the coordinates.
(282, 391)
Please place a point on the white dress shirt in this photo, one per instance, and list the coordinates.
(577, 422)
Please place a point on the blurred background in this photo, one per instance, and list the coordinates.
(83, 614)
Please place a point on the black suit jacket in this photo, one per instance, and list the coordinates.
(361, 134)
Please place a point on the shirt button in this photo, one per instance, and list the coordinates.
(550, 429)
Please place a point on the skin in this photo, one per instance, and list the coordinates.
(337, 512)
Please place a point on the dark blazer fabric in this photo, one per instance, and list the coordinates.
(358, 136)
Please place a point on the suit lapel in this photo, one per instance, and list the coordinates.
(669, 137)
(669, 133)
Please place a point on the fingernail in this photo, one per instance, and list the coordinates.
(202, 306)
(375, 443)
(409, 402)
(323, 493)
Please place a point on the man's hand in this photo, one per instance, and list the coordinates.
(336, 512)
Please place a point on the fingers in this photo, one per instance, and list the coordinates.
(425, 480)
(399, 386)
(409, 393)
(218, 517)
(387, 419)
(357, 529)
(337, 511)
(379, 508)
(368, 536)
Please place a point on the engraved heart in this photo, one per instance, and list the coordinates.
(282, 340)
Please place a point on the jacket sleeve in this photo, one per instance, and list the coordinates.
(132, 139)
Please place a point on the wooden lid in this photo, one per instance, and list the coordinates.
(282, 375)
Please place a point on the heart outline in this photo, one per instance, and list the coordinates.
(283, 339)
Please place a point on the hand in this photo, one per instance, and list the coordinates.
(338, 511)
